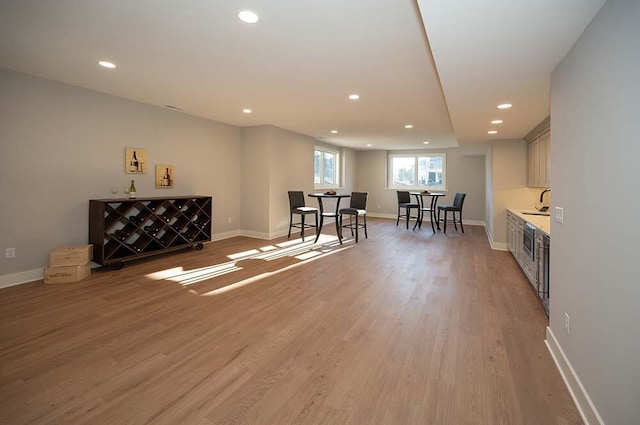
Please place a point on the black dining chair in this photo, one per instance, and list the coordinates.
(297, 206)
(357, 208)
(404, 201)
(458, 201)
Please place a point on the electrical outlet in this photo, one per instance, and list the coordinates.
(559, 215)
(567, 323)
(229, 220)
(10, 253)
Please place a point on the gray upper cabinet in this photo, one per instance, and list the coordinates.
(539, 155)
(538, 159)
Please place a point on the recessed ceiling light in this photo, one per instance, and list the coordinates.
(497, 122)
(107, 64)
(505, 106)
(425, 142)
(248, 16)
(247, 111)
(354, 96)
(368, 145)
(492, 132)
(334, 131)
(408, 126)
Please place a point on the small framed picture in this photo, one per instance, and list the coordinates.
(135, 161)
(164, 176)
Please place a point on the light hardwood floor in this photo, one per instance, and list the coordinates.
(402, 328)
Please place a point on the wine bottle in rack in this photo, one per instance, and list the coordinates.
(152, 231)
(136, 220)
(133, 247)
(121, 235)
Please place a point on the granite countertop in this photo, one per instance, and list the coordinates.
(542, 222)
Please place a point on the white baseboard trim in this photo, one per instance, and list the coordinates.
(498, 246)
(275, 235)
(21, 277)
(474, 223)
(380, 215)
(252, 234)
(225, 235)
(395, 217)
(583, 402)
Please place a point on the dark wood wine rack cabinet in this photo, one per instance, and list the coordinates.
(126, 229)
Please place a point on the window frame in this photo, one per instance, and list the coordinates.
(416, 156)
(337, 170)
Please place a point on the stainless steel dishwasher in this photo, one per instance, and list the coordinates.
(544, 290)
(542, 253)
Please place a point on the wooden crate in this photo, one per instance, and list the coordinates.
(71, 255)
(66, 274)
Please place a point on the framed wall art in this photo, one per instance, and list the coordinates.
(164, 176)
(135, 161)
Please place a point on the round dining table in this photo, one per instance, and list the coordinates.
(323, 195)
(432, 208)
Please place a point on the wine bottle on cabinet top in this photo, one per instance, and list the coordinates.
(132, 190)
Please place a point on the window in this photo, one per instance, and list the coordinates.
(326, 167)
(413, 171)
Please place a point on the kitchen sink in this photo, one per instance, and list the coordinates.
(536, 213)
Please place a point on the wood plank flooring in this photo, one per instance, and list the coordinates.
(402, 328)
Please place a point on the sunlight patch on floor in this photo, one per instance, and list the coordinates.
(238, 255)
(308, 255)
(294, 248)
(185, 278)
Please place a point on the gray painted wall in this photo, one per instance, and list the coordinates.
(61, 146)
(371, 177)
(488, 208)
(465, 173)
(275, 161)
(509, 184)
(256, 163)
(292, 169)
(595, 125)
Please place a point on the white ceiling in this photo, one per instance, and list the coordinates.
(501, 51)
(296, 67)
